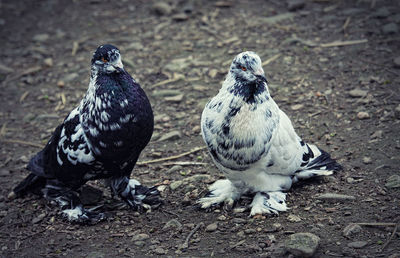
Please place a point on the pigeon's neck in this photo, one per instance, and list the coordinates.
(255, 92)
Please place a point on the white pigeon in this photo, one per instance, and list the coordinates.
(254, 143)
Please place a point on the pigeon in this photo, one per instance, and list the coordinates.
(254, 143)
(101, 138)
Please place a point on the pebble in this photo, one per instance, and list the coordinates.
(175, 99)
(239, 221)
(213, 73)
(48, 62)
(140, 237)
(377, 134)
(172, 224)
(367, 160)
(382, 12)
(390, 28)
(297, 106)
(173, 135)
(41, 37)
(293, 218)
(162, 8)
(70, 77)
(175, 185)
(198, 178)
(4, 172)
(335, 197)
(38, 218)
(139, 243)
(358, 93)
(393, 181)
(357, 244)
(211, 227)
(60, 83)
(351, 230)
(250, 231)
(397, 112)
(302, 244)
(174, 169)
(180, 17)
(294, 5)
(160, 251)
(363, 115)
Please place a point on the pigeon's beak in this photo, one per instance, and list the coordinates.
(260, 75)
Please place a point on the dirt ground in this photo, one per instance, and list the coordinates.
(344, 98)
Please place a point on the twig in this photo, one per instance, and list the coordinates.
(185, 245)
(10, 78)
(171, 157)
(377, 224)
(390, 238)
(271, 59)
(346, 23)
(23, 142)
(184, 163)
(176, 78)
(344, 43)
(3, 129)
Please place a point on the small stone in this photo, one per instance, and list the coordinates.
(48, 62)
(377, 134)
(294, 5)
(362, 115)
(70, 77)
(173, 224)
(211, 227)
(302, 244)
(367, 160)
(180, 17)
(198, 178)
(397, 112)
(161, 8)
(297, 107)
(351, 229)
(390, 28)
(357, 244)
(160, 251)
(382, 12)
(358, 93)
(173, 135)
(221, 218)
(174, 169)
(175, 185)
(4, 172)
(11, 195)
(293, 218)
(239, 210)
(393, 181)
(175, 99)
(396, 62)
(60, 84)
(250, 231)
(213, 73)
(38, 218)
(139, 243)
(41, 37)
(239, 221)
(95, 254)
(140, 237)
(335, 197)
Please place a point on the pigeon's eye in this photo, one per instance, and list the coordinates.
(104, 60)
(243, 68)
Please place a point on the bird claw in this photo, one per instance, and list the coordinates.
(268, 203)
(82, 216)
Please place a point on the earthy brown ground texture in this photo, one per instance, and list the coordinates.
(332, 66)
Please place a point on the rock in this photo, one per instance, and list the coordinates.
(175, 185)
(351, 230)
(11, 195)
(239, 221)
(139, 243)
(390, 28)
(357, 244)
(175, 99)
(393, 181)
(358, 93)
(382, 12)
(60, 84)
(396, 62)
(160, 251)
(140, 237)
(377, 134)
(335, 197)
(172, 224)
(211, 227)
(4, 172)
(173, 135)
(367, 160)
(293, 218)
(180, 17)
(70, 77)
(363, 115)
(250, 231)
(297, 107)
(38, 218)
(302, 244)
(5, 69)
(161, 8)
(213, 73)
(294, 5)
(174, 169)
(397, 112)
(48, 62)
(41, 37)
(198, 178)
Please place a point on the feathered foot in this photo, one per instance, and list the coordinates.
(137, 196)
(220, 192)
(271, 202)
(70, 204)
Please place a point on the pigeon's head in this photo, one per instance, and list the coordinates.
(107, 59)
(247, 67)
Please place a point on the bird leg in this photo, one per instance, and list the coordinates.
(134, 194)
(271, 202)
(70, 204)
(222, 191)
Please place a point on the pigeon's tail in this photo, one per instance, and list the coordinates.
(35, 181)
(321, 164)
